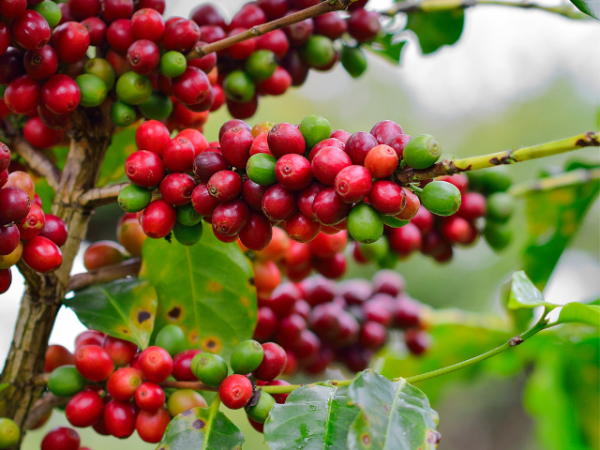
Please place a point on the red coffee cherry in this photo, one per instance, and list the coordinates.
(341, 135)
(328, 208)
(119, 418)
(398, 143)
(229, 218)
(381, 161)
(61, 438)
(207, 164)
(119, 35)
(82, 9)
(412, 205)
(41, 136)
(458, 230)
(41, 63)
(84, 409)
(31, 225)
(9, 239)
(386, 130)
(326, 246)
(275, 41)
(273, 363)
(283, 299)
(93, 363)
(41, 254)
(388, 282)
(405, 240)
(242, 50)
(331, 142)
(388, 198)
(181, 36)
(156, 364)
(13, 9)
(459, 180)
(22, 95)
(5, 280)
(293, 171)
(195, 138)
(276, 84)
(290, 329)
(176, 188)
(96, 28)
(353, 183)
(117, 9)
(235, 146)
(143, 56)
(152, 425)
(364, 25)
(266, 324)
(208, 14)
(179, 155)
(299, 33)
(279, 203)
(192, 87)
(301, 228)
(235, 391)
(120, 351)
(285, 138)
(225, 185)
(89, 337)
(253, 193)
(158, 219)
(417, 341)
(234, 123)
(373, 335)
(473, 206)
(147, 23)
(144, 168)
(57, 356)
(203, 203)
(308, 346)
(307, 197)
(150, 397)
(60, 94)
(123, 383)
(30, 30)
(257, 233)
(71, 41)
(152, 136)
(423, 220)
(358, 146)
(182, 363)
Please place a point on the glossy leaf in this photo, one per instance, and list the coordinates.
(312, 418)
(206, 289)
(125, 309)
(200, 428)
(394, 415)
(524, 294)
(580, 313)
(553, 218)
(436, 29)
(387, 46)
(113, 166)
(589, 7)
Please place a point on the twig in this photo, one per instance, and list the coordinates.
(314, 11)
(38, 161)
(447, 167)
(131, 267)
(563, 180)
(42, 407)
(101, 196)
(195, 385)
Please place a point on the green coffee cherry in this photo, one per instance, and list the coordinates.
(133, 198)
(133, 88)
(102, 69)
(393, 222)
(377, 250)
(261, 169)
(172, 64)
(422, 151)
(500, 207)
(188, 235)
(9, 430)
(261, 65)
(318, 51)
(158, 107)
(122, 114)
(209, 368)
(246, 357)
(183, 399)
(187, 215)
(354, 60)
(51, 12)
(171, 338)
(497, 235)
(93, 90)
(441, 198)
(315, 129)
(261, 410)
(495, 180)
(389, 261)
(365, 224)
(238, 87)
(65, 381)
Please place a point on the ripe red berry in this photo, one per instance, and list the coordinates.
(195, 138)
(41, 136)
(11, 9)
(158, 219)
(41, 254)
(364, 25)
(117, 9)
(123, 383)
(307, 197)
(5, 280)
(458, 230)
(353, 183)
(234, 123)
(203, 203)
(273, 363)
(84, 409)
(152, 136)
(181, 36)
(242, 50)
(152, 425)
(89, 337)
(373, 335)
(308, 346)
(55, 230)
(235, 391)
(82, 9)
(144, 168)
(182, 363)
(176, 188)
(328, 162)
(57, 356)
(143, 56)
(120, 351)
(398, 143)
(283, 299)
(31, 225)
(279, 203)
(235, 146)
(301, 228)
(22, 95)
(275, 41)
(358, 146)
(147, 23)
(179, 155)
(293, 171)
(331, 142)
(459, 180)
(96, 28)
(412, 205)
(417, 341)
(119, 35)
(30, 30)
(473, 206)
(192, 87)
(266, 324)
(381, 161)
(276, 84)
(299, 33)
(326, 246)
(208, 14)
(41, 63)
(253, 193)
(405, 240)
(71, 41)
(150, 396)
(328, 208)
(207, 164)
(119, 418)
(257, 233)
(225, 185)
(388, 198)
(9, 239)
(333, 267)
(285, 138)
(248, 16)
(61, 94)
(93, 362)
(229, 218)
(156, 364)
(61, 438)
(386, 130)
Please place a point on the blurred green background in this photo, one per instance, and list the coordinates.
(483, 412)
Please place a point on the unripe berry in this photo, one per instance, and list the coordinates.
(500, 207)
(246, 357)
(9, 433)
(441, 198)
(65, 381)
(183, 399)
(422, 151)
(412, 205)
(365, 224)
(209, 368)
(261, 410)
(261, 169)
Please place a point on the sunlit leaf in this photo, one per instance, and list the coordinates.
(580, 313)
(113, 166)
(524, 294)
(387, 46)
(589, 7)
(436, 29)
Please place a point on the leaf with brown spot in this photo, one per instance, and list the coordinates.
(204, 290)
(125, 309)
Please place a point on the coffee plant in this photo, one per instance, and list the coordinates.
(224, 289)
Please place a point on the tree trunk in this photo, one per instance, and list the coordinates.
(90, 136)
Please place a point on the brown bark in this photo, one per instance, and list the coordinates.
(91, 135)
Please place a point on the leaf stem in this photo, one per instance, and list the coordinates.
(571, 178)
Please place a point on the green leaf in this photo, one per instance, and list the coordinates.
(125, 309)
(524, 294)
(394, 415)
(113, 166)
(313, 417)
(385, 45)
(436, 29)
(553, 218)
(207, 289)
(200, 428)
(580, 313)
(589, 7)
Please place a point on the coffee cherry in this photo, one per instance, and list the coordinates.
(209, 368)
(41, 254)
(158, 219)
(123, 383)
(94, 363)
(152, 136)
(176, 188)
(257, 233)
(328, 162)
(204, 203)
(81, 9)
(359, 145)
(412, 205)
(273, 363)
(317, 52)
(279, 203)
(376, 251)
(149, 397)
(192, 87)
(9, 238)
(184, 399)
(248, 16)
(119, 418)
(9, 433)
(299, 33)
(238, 87)
(134, 198)
(293, 171)
(354, 60)
(328, 208)
(422, 151)
(93, 90)
(22, 95)
(235, 391)
(458, 230)
(122, 114)
(171, 338)
(441, 198)
(61, 94)
(84, 409)
(235, 146)
(57, 356)
(417, 341)
(130, 235)
(261, 65)
(229, 218)
(156, 364)
(498, 236)
(373, 335)
(120, 351)
(13, 9)
(96, 28)
(133, 88)
(261, 410)
(61, 438)
(365, 224)
(71, 41)
(398, 143)
(158, 5)
(66, 381)
(472, 206)
(307, 197)
(500, 207)
(152, 425)
(326, 246)
(405, 240)
(246, 357)
(4, 157)
(261, 169)
(423, 220)
(387, 198)
(5, 280)
(41, 63)
(188, 235)
(148, 24)
(301, 228)
(12, 258)
(364, 25)
(30, 30)
(41, 136)
(381, 161)
(182, 365)
(266, 324)
(181, 36)
(285, 138)
(352, 184)
(144, 168)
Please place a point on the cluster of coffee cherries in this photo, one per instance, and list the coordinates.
(270, 64)
(25, 231)
(483, 197)
(318, 321)
(306, 179)
(60, 438)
